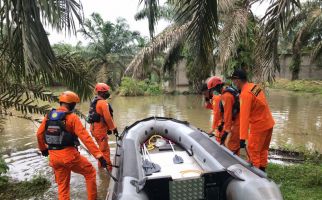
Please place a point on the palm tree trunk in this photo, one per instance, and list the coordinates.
(295, 73)
(173, 78)
(296, 65)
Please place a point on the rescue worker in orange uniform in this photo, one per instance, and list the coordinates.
(58, 137)
(207, 99)
(226, 109)
(214, 96)
(102, 124)
(229, 109)
(256, 120)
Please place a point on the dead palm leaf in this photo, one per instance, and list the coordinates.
(202, 29)
(274, 21)
(168, 37)
(235, 27)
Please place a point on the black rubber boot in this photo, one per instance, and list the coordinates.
(263, 169)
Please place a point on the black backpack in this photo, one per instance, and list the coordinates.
(236, 106)
(93, 116)
(56, 135)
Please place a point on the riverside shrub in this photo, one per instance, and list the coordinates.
(133, 87)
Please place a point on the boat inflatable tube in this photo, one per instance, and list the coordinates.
(224, 175)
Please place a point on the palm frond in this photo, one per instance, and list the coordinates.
(280, 11)
(151, 7)
(316, 52)
(21, 99)
(61, 14)
(296, 20)
(73, 71)
(25, 53)
(225, 6)
(28, 49)
(27, 90)
(28, 99)
(173, 56)
(202, 29)
(274, 21)
(164, 12)
(168, 37)
(235, 27)
(311, 20)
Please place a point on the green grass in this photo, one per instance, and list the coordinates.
(310, 86)
(20, 189)
(300, 181)
(24, 189)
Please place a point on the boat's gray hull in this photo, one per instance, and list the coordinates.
(243, 182)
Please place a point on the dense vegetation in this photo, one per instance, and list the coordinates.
(28, 62)
(133, 87)
(305, 34)
(225, 34)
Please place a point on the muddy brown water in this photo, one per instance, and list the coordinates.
(298, 125)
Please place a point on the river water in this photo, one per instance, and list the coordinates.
(298, 125)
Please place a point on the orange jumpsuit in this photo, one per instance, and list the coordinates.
(69, 159)
(99, 129)
(216, 116)
(256, 115)
(230, 126)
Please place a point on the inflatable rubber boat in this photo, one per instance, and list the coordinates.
(167, 159)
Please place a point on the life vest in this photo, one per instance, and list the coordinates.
(56, 135)
(111, 110)
(236, 105)
(93, 116)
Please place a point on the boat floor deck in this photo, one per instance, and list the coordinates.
(188, 169)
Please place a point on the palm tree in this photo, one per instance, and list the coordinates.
(305, 28)
(111, 46)
(203, 23)
(27, 61)
(175, 37)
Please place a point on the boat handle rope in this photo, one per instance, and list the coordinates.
(151, 145)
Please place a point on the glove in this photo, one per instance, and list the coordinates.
(211, 133)
(242, 144)
(45, 153)
(223, 137)
(103, 162)
(220, 127)
(109, 132)
(115, 132)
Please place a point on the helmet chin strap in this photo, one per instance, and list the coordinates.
(105, 95)
(71, 106)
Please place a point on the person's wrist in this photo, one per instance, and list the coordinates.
(98, 156)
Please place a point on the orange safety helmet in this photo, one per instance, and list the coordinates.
(213, 82)
(102, 87)
(69, 97)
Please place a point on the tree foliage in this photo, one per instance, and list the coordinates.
(111, 46)
(27, 61)
(221, 26)
(305, 31)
